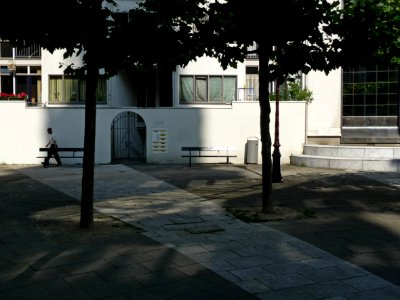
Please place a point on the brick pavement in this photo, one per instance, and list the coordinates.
(257, 258)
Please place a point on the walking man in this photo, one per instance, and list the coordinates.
(53, 149)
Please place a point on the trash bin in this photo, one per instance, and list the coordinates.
(252, 150)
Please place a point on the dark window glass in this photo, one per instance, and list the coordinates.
(370, 91)
(5, 50)
(359, 110)
(358, 99)
(348, 111)
(370, 110)
(347, 100)
(370, 100)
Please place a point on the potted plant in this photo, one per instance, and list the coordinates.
(292, 91)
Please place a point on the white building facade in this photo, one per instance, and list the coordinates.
(150, 118)
(128, 126)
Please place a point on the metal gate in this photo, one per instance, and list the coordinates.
(128, 138)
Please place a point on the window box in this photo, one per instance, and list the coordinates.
(19, 96)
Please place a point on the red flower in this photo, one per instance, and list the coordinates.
(21, 95)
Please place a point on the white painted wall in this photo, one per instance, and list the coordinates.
(207, 66)
(325, 110)
(24, 130)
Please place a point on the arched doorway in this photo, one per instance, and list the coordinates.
(128, 138)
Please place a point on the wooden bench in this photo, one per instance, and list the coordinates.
(64, 149)
(223, 151)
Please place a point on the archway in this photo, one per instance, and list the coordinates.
(128, 138)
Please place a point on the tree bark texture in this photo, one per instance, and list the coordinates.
(86, 220)
(266, 144)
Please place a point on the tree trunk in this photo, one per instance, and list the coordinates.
(92, 75)
(266, 144)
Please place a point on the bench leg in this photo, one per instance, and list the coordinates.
(190, 158)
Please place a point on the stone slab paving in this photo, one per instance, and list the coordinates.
(257, 258)
(390, 178)
(45, 255)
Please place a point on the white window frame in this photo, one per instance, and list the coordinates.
(201, 96)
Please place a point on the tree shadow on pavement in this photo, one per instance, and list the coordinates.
(344, 213)
(44, 254)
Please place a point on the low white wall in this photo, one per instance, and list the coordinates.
(24, 130)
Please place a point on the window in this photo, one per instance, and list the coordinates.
(370, 91)
(6, 50)
(251, 90)
(207, 89)
(26, 79)
(71, 90)
(149, 89)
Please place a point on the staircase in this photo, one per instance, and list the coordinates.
(360, 158)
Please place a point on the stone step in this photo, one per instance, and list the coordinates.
(352, 151)
(359, 158)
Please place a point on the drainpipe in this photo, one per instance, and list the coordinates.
(276, 155)
(305, 116)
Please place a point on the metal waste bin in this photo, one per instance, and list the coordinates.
(252, 150)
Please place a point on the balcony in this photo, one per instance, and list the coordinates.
(247, 95)
(8, 52)
(34, 51)
(250, 49)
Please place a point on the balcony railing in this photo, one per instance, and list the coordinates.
(247, 94)
(252, 48)
(8, 52)
(34, 51)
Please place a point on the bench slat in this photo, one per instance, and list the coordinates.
(219, 148)
(61, 156)
(222, 151)
(209, 156)
(64, 149)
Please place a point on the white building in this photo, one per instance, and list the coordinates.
(150, 118)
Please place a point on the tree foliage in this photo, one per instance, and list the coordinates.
(159, 36)
(370, 32)
(61, 24)
(292, 91)
(297, 34)
(291, 36)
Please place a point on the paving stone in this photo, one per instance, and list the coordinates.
(327, 290)
(285, 294)
(204, 229)
(165, 211)
(368, 282)
(288, 268)
(249, 273)
(327, 274)
(284, 281)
